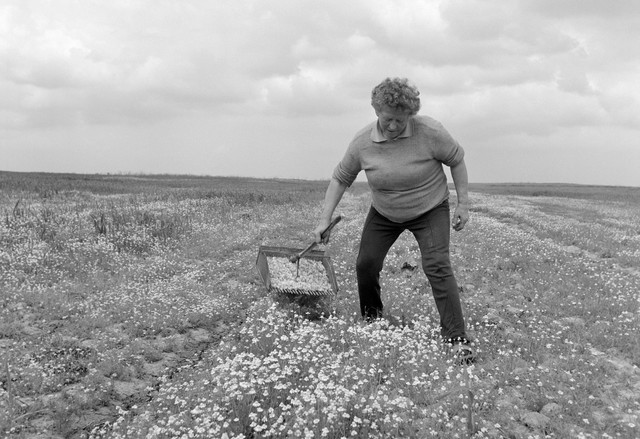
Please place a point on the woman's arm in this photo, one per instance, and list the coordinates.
(332, 197)
(461, 182)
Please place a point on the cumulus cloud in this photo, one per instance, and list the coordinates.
(157, 71)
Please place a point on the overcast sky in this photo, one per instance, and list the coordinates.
(534, 90)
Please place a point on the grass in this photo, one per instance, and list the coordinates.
(130, 307)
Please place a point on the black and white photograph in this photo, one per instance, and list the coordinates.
(245, 219)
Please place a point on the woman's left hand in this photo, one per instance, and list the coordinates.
(460, 218)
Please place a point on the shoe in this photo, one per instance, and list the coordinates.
(462, 351)
(371, 315)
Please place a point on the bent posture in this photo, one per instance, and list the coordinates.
(402, 155)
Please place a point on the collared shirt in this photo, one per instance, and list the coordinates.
(405, 174)
(378, 136)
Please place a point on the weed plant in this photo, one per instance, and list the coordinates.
(130, 307)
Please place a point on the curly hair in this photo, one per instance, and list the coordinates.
(396, 93)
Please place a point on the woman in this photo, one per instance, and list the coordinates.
(402, 155)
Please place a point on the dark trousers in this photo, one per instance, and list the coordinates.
(432, 231)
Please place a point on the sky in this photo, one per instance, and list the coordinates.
(540, 91)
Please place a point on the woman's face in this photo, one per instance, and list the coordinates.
(392, 121)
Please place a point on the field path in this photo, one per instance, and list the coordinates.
(559, 278)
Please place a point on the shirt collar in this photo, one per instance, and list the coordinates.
(378, 137)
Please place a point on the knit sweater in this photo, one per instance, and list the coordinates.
(405, 175)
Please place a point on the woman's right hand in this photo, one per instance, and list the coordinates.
(317, 232)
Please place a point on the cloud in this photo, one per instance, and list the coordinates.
(570, 9)
(292, 77)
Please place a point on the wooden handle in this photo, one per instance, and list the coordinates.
(296, 258)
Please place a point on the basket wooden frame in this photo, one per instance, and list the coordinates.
(262, 266)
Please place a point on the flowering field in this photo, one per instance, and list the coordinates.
(130, 307)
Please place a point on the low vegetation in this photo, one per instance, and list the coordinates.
(130, 307)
